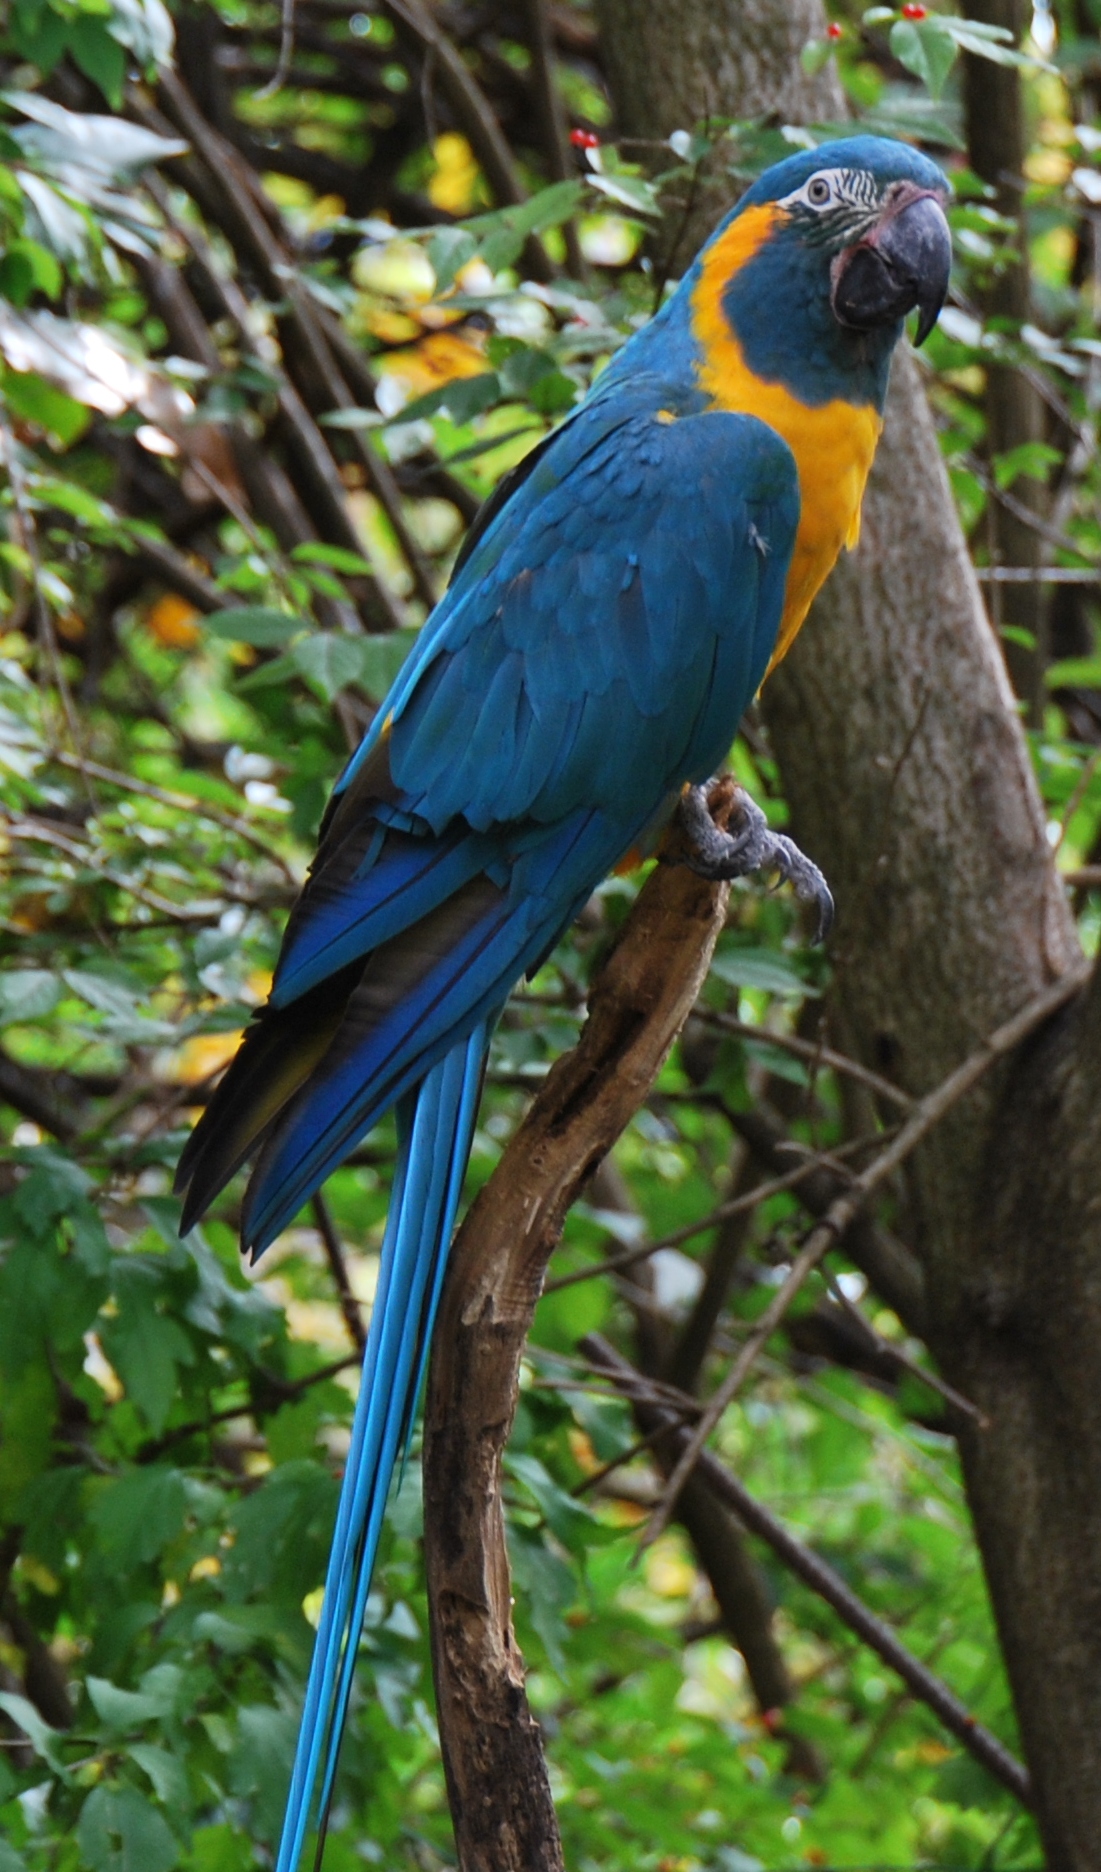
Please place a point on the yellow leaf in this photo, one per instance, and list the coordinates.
(455, 184)
(203, 1055)
(172, 622)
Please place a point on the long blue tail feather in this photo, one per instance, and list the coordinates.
(437, 1124)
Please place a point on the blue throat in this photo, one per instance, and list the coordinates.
(779, 311)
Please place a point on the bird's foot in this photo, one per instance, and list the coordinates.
(721, 856)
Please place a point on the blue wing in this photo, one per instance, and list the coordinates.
(594, 654)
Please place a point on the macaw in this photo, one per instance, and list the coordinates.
(616, 605)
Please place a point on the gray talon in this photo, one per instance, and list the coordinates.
(721, 856)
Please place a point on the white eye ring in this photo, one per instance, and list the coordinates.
(819, 191)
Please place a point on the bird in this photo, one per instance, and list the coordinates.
(616, 605)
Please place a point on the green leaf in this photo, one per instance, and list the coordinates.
(261, 1763)
(39, 34)
(16, 277)
(759, 968)
(328, 662)
(1031, 459)
(344, 419)
(101, 993)
(316, 552)
(462, 399)
(37, 401)
(99, 56)
(549, 1587)
(926, 49)
(449, 250)
(380, 659)
(122, 1710)
(219, 1849)
(168, 1775)
(633, 192)
(136, 1516)
(1074, 673)
(569, 1521)
(44, 268)
(260, 625)
(120, 1831)
(816, 55)
(28, 994)
(147, 1349)
(45, 1740)
(501, 234)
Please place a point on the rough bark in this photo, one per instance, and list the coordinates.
(497, 1781)
(909, 781)
(676, 67)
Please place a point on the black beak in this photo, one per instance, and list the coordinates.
(905, 262)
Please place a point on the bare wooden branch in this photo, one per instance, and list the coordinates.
(497, 1781)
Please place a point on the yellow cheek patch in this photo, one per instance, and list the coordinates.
(833, 444)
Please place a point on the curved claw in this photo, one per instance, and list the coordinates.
(724, 855)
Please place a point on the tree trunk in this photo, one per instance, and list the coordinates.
(909, 782)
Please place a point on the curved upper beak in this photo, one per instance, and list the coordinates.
(904, 262)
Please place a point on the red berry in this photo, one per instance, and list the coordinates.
(914, 12)
(833, 30)
(584, 139)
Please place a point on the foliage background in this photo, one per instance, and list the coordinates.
(252, 390)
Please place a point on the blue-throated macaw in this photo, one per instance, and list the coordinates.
(615, 607)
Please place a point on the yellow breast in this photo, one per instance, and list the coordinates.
(833, 444)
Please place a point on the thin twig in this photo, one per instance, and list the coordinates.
(637, 1448)
(735, 1205)
(286, 53)
(808, 1050)
(33, 832)
(1037, 575)
(1076, 798)
(334, 1254)
(814, 1572)
(927, 1114)
(884, 1349)
(1026, 515)
(283, 1392)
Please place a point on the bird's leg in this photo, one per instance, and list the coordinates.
(722, 855)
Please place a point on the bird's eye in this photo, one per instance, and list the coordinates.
(818, 191)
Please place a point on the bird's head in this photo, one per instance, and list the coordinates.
(822, 259)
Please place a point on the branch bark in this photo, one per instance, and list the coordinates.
(497, 1781)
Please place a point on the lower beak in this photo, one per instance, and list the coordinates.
(903, 264)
